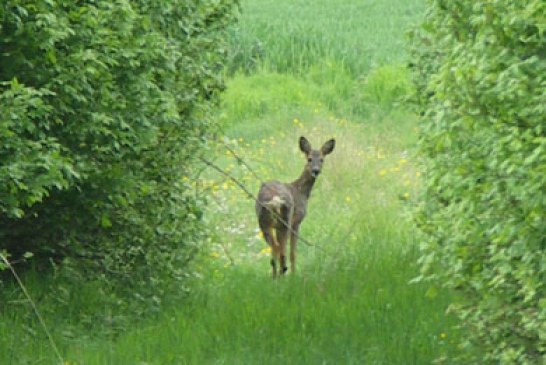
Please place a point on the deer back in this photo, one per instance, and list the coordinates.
(274, 199)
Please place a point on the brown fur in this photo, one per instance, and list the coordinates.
(280, 204)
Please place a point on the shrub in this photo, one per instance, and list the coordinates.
(481, 80)
(102, 107)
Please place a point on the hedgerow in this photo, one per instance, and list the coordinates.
(480, 70)
(103, 105)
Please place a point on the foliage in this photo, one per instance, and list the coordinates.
(102, 106)
(481, 78)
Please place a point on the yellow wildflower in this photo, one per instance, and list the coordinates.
(265, 251)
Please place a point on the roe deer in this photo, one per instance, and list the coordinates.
(282, 207)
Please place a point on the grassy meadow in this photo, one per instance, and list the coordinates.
(321, 69)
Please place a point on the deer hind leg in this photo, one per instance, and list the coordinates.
(293, 246)
(275, 249)
(282, 235)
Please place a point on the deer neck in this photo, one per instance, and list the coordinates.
(304, 184)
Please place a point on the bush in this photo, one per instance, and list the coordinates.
(481, 80)
(103, 106)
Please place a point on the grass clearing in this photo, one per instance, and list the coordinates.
(351, 301)
(359, 315)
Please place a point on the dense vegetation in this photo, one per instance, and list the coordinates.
(102, 106)
(481, 72)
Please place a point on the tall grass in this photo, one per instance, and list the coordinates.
(292, 35)
(365, 313)
(348, 55)
(331, 88)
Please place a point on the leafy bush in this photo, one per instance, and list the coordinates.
(102, 107)
(481, 80)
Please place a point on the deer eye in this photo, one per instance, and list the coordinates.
(321, 160)
(309, 159)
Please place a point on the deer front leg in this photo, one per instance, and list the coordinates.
(293, 245)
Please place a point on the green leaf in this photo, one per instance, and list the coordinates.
(105, 222)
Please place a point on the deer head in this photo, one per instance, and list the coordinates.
(315, 158)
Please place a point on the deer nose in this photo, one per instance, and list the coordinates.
(315, 172)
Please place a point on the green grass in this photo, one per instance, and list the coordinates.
(321, 69)
(291, 35)
(325, 89)
(351, 301)
(364, 313)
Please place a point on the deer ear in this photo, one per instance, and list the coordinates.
(328, 147)
(305, 146)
